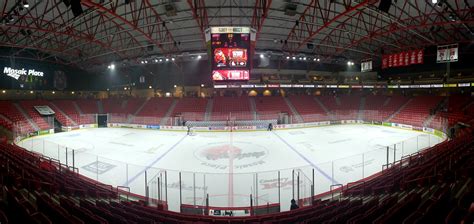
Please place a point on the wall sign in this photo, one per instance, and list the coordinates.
(16, 73)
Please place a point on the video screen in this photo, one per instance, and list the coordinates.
(230, 56)
(229, 75)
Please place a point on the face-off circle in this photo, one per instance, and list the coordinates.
(240, 154)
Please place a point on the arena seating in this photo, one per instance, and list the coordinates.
(8, 110)
(113, 105)
(192, 109)
(270, 107)
(88, 106)
(68, 108)
(35, 188)
(28, 106)
(380, 108)
(425, 187)
(154, 111)
(308, 108)
(417, 110)
(227, 108)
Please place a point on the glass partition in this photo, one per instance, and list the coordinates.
(249, 190)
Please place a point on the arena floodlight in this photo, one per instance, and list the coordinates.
(3, 91)
(318, 59)
(202, 85)
(349, 63)
(304, 59)
(161, 60)
(72, 92)
(262, 56)
(111, 66)
(287, 57)
(54, 92)
(25, 4)
(293, 58)
(199, 57)
(167, 59)
(434, 1)
(172, 59)
(149, 87)
(175, 86)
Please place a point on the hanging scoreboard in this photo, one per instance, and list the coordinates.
(230, 53)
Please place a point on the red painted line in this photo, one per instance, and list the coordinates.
(230, 151)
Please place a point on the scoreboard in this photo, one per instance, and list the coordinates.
(230, 53)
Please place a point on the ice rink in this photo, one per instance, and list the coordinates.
(230, 166)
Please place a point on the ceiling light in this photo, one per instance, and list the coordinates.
(167, 59)
(25, 4)
(175, 86)
(202, 85)
(293, 57)
(318, 59)
(111, 66)
(172, 59)
(262, 56)
(199, 56)
(149, 87)
(161, 60)
(304, 59)
(434, 1)
(287, 57)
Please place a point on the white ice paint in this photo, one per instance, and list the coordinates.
(120, 156)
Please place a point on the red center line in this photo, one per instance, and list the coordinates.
(231, 152)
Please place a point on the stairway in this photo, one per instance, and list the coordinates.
(62, 112)
(324, 107)
(141, 106)
(428, 120)
(165, 119)
(360, 115)
(207, 115)
(27, 117)
(253, 107)
(387, 101)
(295, 113)
(338, 101)
(124, 104)
(78, 109)
(132, 116)
(100, 107)
(5, 118)
(398, 111)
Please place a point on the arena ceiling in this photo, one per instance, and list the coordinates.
(128, 30)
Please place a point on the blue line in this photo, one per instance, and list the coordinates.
(153, 163)
(306, 159)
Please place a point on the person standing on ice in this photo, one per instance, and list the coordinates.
(189, 130)
(293, 205)
(270, 127)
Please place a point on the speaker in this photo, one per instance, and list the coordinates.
(310, 45)
(76, 7)
(385, 5)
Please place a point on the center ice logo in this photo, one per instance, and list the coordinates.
(240, 155)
